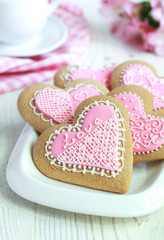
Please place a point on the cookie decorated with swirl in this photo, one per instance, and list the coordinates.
(44, 106)
(141, 74)
(146, 124)
(94, 151)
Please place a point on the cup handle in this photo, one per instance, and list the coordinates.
(52, 6)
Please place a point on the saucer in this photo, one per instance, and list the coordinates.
(52, 37)
(146, 193)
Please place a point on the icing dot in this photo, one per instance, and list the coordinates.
(134, 108)
(126, 106)
(123, 98)
(131, 100)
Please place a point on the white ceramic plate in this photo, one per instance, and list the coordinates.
(53, 36)
(145, 196)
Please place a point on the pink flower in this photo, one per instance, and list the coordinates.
(114, 3)
(156, 3)
(119, 7)
(128, 26)
(158, 10)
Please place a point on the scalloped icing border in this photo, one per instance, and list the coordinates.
(73, 69)
(77, 127)
(52, 122)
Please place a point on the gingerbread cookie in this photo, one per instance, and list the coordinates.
(70, 73)
(44, 106)
(142, 74)
(146, 124)
(95, 151)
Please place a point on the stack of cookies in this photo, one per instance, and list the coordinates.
(95, 124)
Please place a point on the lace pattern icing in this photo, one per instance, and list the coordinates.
(55, 104)
(36, 112)
(147, 131)
(94, 147)
(64, 112)
(100, 152)
(138, 74)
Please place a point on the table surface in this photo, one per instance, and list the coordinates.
(24, 220)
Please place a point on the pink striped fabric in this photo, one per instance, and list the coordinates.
(17, 73)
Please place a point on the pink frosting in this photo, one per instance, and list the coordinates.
(55, 104)
(95, 145)
(81, 94)
(104, 77)
(59, 105)
(141, 75)
(147, 131)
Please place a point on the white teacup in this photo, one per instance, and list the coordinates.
(21, 20)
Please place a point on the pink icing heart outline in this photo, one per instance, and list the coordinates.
(147, 131)
(141, 75)
(100, 75)
(65, 145)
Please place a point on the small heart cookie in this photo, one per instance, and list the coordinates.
(142, 74)
(70, 73)
(146, 124)
(95, 151)
(43, 106)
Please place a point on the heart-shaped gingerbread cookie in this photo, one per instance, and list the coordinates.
(146, 124)
(70, 73)
(142, 74)
(95, 151)
(43, 106)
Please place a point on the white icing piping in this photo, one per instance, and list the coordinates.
(50, 120)
(131, 65)
(148, 115)
(84, 85)
(143, 108)
(77, 127)
(138, 84)
(35, 110)
(73, 69)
